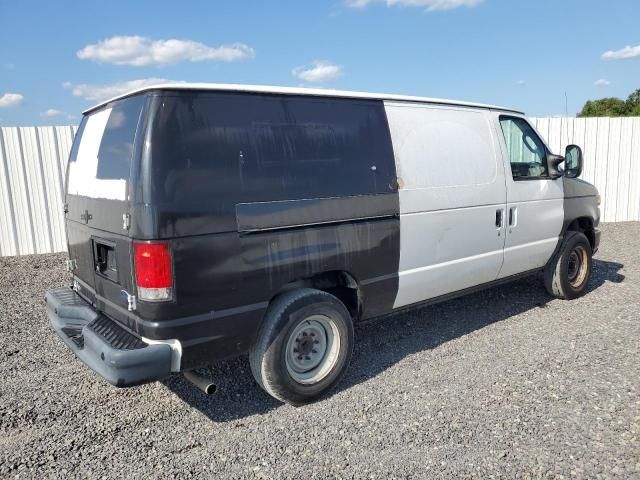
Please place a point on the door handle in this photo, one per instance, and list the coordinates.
(513, 216)
(499, 218)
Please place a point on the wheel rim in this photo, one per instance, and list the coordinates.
(577, 266)
(312, 349)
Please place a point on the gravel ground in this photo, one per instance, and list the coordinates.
(504, 383)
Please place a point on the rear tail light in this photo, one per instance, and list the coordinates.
(154, 275)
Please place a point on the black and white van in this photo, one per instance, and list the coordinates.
(206, 221)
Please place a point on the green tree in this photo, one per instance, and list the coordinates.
(612, 107)
(605, 107)
(633, 103)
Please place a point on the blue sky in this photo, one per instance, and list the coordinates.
(58, 58)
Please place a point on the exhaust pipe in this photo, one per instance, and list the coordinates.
(203, 383)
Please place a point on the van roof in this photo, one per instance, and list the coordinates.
(298, 91)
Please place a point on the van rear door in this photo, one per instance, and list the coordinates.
(98, 200)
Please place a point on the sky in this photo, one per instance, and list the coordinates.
(58, 58)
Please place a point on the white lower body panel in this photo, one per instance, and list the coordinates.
(447, 250)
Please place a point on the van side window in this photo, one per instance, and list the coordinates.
(527, 153)
(226, 148)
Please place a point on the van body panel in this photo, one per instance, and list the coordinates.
(224, 282)
(532, 240)
(580, 201)
(297, 213)
(452, 185)
(447, 250)
(365, 250)
(581, 205)
(80, 249)
(98, 214)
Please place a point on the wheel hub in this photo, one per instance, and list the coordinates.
(574, 265)
(577, 266)
(312, 349)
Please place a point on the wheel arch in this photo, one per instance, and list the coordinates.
(340, 283)
(585, 225)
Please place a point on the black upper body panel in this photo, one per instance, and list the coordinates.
(207, 152)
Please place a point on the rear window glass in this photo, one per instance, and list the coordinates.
(228, 148)
(100, 160)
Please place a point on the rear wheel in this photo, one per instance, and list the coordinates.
(567, 273)
(303, 347)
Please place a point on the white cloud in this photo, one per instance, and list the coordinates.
(357, 3)
(142, 51)
(52, 112)
(318, 71)
(103, 92)
(626, 52)
(429, 5)
(602, 83)
(10, 100)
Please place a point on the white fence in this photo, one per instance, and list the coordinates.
(611, 148)
(32, 170)
(33, 162)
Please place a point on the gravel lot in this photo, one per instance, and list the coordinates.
(504, 383)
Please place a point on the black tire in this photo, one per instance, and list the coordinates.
(562, 277)
(286, 315)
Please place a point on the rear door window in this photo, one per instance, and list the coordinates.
(100, 161)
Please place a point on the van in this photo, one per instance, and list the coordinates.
(207, 221)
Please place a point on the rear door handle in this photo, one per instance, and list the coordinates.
(499, 218)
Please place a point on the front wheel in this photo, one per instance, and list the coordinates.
(567, 274)
(304, 346)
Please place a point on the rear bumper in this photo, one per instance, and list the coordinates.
(117, 355)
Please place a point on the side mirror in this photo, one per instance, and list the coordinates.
(552, 164)
(573, 161)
